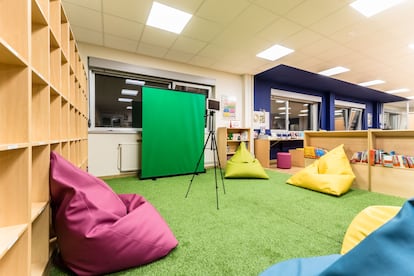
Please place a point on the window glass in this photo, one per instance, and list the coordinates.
(293, 114)
(116, 97)
(348, 118)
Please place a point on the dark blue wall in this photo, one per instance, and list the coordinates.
(262, 88)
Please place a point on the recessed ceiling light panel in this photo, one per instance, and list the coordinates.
(371, 83)
(372, 7)
(334, 71)
(275, 52)
(167, 18)
(124, 100)
(135, 82)
(129, 92)
(395, 91)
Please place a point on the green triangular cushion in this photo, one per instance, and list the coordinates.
(244, 165)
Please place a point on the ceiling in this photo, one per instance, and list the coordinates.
(227, 35)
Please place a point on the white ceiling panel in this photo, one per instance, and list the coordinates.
(128, 9)
(122, 27)
(151, 50)
(226, 35)
(120, 43)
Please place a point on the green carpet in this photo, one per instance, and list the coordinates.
(259, 223)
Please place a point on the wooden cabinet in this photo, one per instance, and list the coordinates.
(228, 140)
(39, 112)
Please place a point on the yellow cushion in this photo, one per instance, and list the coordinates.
(331, 174)
(366, 222)
(335, 162)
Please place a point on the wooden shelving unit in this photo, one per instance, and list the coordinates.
(43, 97)
(392, 181)
(227, 146)
(353, 141)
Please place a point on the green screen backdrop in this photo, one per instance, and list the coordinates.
(172, 132)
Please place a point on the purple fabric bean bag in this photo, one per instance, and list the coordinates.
(99, 231)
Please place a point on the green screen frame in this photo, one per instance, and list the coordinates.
(172, 132)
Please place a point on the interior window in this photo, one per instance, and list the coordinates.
(293, 114)
(348, 118)
(116, 97)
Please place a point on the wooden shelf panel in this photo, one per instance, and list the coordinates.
(9, 235)
(40, 174)
(9, 56)
(14, 97)
(15, 14)
(40, 111)
(14, 187)
(54, 18)
(40, 245)
(353, 141)
(392, 181)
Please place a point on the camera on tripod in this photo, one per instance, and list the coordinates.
(213, 105)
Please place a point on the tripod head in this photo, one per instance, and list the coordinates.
(210, 121)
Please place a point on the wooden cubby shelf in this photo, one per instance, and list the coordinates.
(40, 112)
(376, 178)
(226, 147)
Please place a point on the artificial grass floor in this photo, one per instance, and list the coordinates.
(259, 222)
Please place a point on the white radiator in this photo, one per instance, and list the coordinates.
(128, 157)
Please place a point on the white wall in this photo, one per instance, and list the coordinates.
(103, 148)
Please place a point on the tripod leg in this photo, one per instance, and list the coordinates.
(198, 164)
(215, 172)
(214, 141)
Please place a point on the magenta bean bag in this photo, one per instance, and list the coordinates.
(99, 231)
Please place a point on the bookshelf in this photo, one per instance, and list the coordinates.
(43, 96)
(228, 140)
(393, 181)
(353, 141)
(377, 178)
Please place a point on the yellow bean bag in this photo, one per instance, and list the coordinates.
(243, 165)
(366, 222)
(331, 174)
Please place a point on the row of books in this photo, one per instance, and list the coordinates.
(386, 159)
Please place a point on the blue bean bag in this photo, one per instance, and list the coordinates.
(389, 250)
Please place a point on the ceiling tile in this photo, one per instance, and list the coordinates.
(301, 39)
(90, 4)
(279, 30)
(188, 45)
(278, 7)
(221, 11)
(120, 43)
(178, 56)
(335, 21)
(159, 37)
(87, 36)
(84, 17)
(123, 28)
(151, 50)
(202, 29)
(201, 61)
(310, 12)
(128, 9)
(184, 5)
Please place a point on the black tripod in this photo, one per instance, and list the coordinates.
(211, 134)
